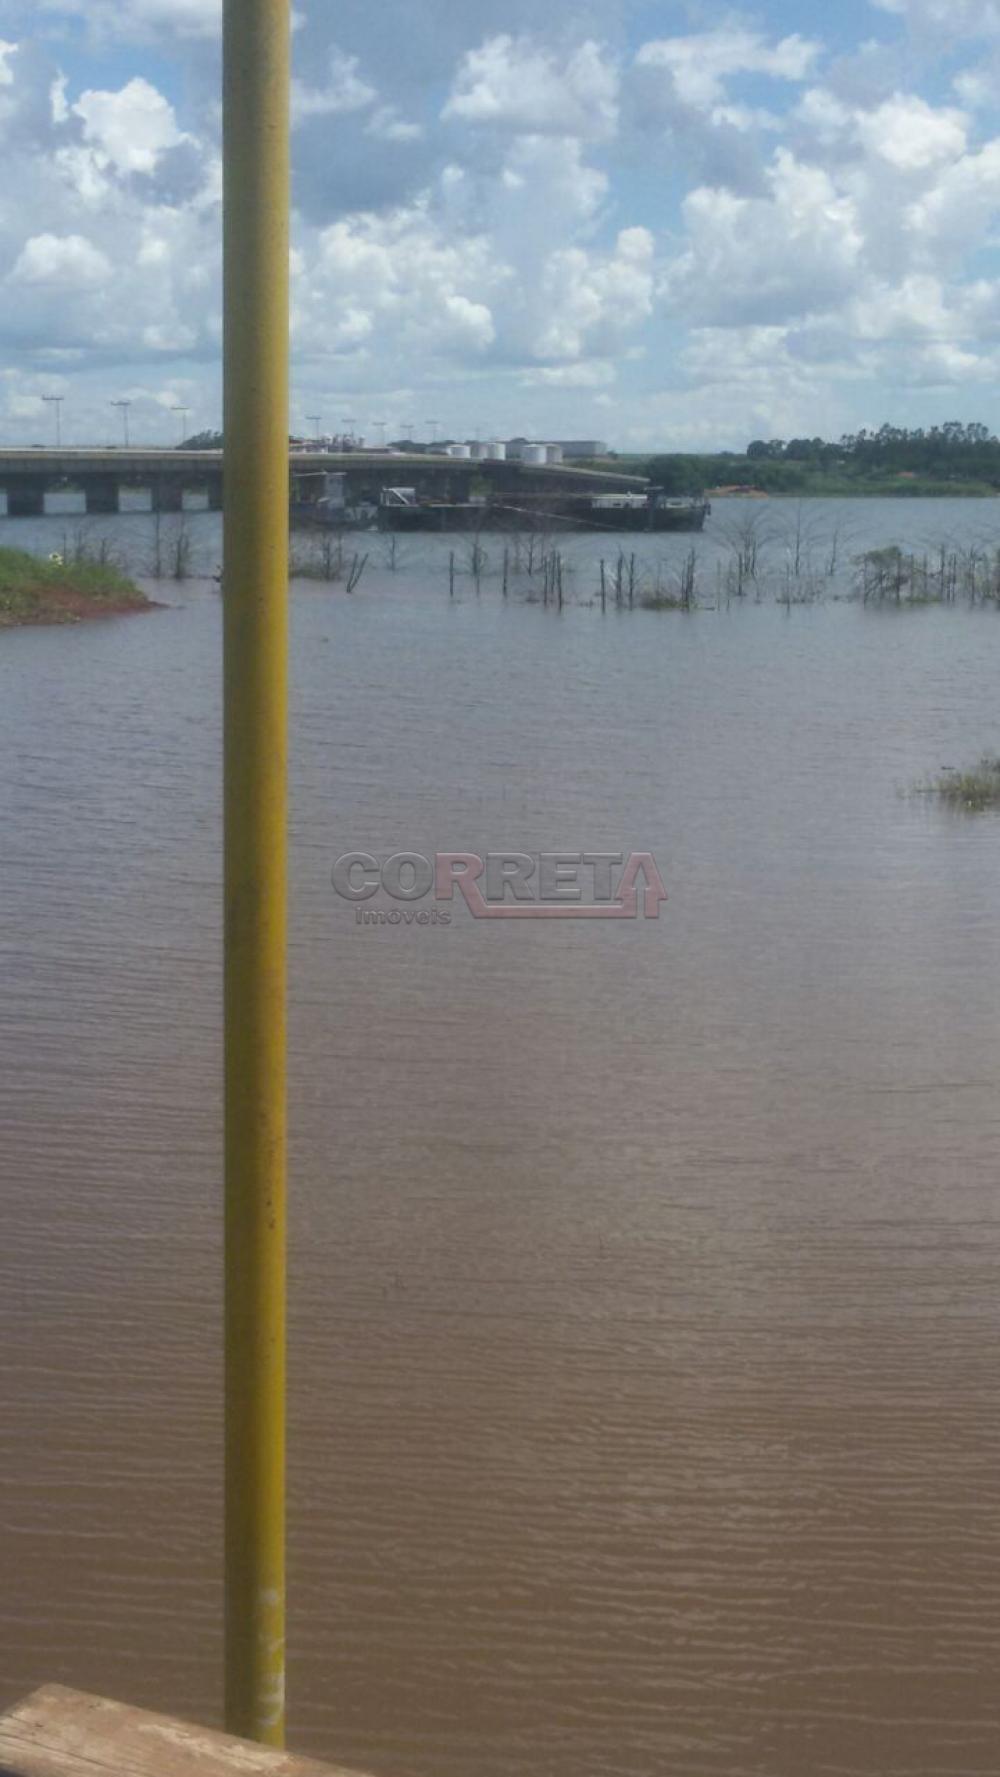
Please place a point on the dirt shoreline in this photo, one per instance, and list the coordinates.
(75, 607)
(36, 594)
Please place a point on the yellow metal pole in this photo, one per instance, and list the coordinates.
(255, 581)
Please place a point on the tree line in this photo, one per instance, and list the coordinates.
(953, 453)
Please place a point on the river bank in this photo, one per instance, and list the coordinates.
(825, 487)
(798, 478)
(35, 591)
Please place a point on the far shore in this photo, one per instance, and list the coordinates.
(863, 491)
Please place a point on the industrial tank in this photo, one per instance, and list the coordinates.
(534, 453)
(495, 451)
(459, 450)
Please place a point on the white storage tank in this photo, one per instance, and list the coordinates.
(495, 451)
(479, 451)
(553, 453)
(534, 453)
(459, 450)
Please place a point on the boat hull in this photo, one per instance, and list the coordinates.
(556, 516)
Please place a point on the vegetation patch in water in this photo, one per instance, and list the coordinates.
(942, 576)
(34, 591)
(975, 789)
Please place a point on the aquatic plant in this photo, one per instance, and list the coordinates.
(938, 577)
(681, 594)
(975, 789)
(180, 553)
(324, 561)
(355, 572)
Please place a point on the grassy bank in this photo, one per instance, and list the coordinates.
(801, 481)
(34, 591)
(876, 487)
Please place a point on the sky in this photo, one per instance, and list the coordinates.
(676, 226)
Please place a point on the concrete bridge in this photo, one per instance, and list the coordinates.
(33, 482)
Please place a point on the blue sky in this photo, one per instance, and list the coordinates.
(667, 225)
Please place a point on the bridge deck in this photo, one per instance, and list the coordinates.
(132, 463)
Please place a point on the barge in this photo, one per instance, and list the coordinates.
(400, 509)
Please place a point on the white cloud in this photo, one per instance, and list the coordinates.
(975, 88)
(952, 18)
(963, 202)
(518, 85)
(344, 91)
(57, 99)
(591, 301)
(910, 134)
(693, 102)
(130, 128)
(398, 275)
(596, 373)
(699, 66)
(825, 117)
(915, 307)
(85, 174)
(140, 20)
(469, 322)
(60, 259)
(774, 258)
(745, 117)
(522, 214)
(387, 126)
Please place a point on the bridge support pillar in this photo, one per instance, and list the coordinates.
(168, 495)
(26, 498)
(102, 493)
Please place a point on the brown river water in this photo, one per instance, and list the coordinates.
(645, 1276)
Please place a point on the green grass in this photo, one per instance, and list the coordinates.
(35, 590)
(975, 789)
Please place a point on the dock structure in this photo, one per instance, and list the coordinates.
(57, 1732)
(107, 481)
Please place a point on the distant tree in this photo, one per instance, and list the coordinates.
(951, 452)
(202, 441)
(678, 475)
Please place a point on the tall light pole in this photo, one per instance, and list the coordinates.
(315, 419)
(434, 424)
(56, 401)
(124, 405)
(380, 426)
(348, 420)
(183, 412)
(255, 113)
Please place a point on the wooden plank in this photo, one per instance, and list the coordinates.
(62, 1733)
